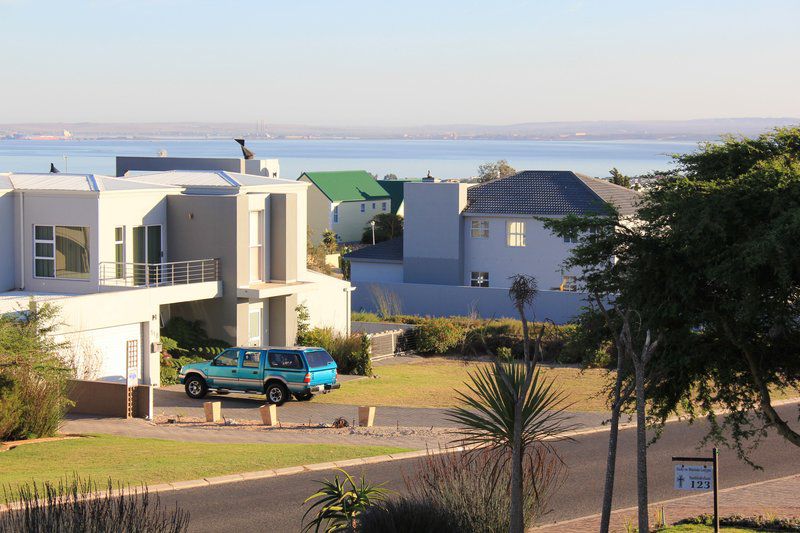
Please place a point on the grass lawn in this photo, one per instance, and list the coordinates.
(690, 528)
(151, 461)
(431, 383)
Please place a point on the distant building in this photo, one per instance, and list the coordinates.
(344, 202)
(396, 190)
(462, 242)
(260, 167)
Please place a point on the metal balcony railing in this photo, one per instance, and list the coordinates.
(158, 274)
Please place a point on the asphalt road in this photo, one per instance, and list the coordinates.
(276, 504)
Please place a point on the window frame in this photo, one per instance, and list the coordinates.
(516, 239)
(301, 368)
(479, 229)
(258, 353)
(53, 227)
(251, 339)
(336, 214)
(479, 279)
(257, 247)
(363, 208)
(119, 252)
(383, 206)
(231, 350)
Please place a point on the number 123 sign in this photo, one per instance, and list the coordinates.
(694, 477)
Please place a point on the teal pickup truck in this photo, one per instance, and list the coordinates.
(275, 372)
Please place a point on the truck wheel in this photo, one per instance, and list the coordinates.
(303, 397)
(196, 387)
(276, 393)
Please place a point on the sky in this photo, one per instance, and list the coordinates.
(409, 62)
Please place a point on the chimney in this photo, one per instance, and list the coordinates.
(429, 178)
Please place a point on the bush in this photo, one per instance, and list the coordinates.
(171, 365)
(352, 354)
(466, 492)
(439, 336)
(188, 337)
(758, 523)
(64, 507)
(33, 378)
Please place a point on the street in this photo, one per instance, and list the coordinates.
(275, 504)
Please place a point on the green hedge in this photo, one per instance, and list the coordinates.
(351, 353)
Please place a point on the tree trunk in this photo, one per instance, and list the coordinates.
(517, 519)
(641, 447)
(611, 460)
(526, 342)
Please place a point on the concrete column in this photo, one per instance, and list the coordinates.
(283, 237)
(283, 320)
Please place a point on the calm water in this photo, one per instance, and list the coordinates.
(406, 158)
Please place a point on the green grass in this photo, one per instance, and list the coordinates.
(691, 528)
(152, 461)
(433, 382)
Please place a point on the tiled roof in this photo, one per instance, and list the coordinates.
(548, 192)
(391, 250)
(347, 185)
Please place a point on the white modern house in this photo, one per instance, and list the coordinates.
(461, 244)
(119, 256)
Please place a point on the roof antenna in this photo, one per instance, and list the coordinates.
(247, 153)
(53, 169)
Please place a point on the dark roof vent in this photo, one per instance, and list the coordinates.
(430, 178)
(247, 153)
(53, 169)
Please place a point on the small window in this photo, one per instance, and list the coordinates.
(336, 215)
(291, 361)
(254, 326)
(516, 233)
(571, 239)
(383, 206)
(373, 206)
(363, 207)
(479, 279)
(119, 252)
(480, 229)
(251, 359)
(227, 358)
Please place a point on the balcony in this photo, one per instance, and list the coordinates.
(159, 274)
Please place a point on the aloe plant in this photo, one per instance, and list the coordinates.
(340, 503)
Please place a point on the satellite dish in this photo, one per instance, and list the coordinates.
(53, 169)
(247, 153)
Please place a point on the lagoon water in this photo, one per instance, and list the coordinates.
(406, 158)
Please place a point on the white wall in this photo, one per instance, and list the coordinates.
(129, 209)
(376, 271)
(328, 305)
(352, 221)
(541, 257)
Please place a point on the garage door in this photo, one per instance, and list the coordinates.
(102, 353)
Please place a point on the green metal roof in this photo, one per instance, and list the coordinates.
(395, 190)
(347, 185)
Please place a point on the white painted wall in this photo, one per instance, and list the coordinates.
(376, 271)
(329, 304)
(541, 257)
(352, 221)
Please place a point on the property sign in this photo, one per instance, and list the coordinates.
(694, 477)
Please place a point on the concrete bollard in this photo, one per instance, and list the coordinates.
(366, 416)
(269, 414)
(213, 411)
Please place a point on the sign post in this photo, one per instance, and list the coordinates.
(694, 477)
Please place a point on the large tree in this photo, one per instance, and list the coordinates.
(713, 264)
(495, 170)
(387, 226)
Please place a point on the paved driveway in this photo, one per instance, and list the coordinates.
(172, 400)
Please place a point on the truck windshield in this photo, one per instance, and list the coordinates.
(318, 358)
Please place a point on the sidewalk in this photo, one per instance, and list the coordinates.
(778, 497)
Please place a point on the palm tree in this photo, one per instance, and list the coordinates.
(511, 406)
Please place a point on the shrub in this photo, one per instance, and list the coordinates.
(351, 353)
(188, 337)
(758, 523)
(33, 378)
(465, 492)
(65, 507)
(439, 336)
(339, 504)
(361, 316)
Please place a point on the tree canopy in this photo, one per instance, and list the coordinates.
(712, 263)
(618, 178)
(495, 170)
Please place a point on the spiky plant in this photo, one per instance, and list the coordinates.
(340, 503)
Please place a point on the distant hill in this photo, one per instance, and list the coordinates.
(700, 129)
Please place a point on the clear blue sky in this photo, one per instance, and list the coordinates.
(407, 62)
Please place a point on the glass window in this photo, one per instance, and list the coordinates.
(373, 206)
(251, 359)
(480, 229)
(119, 252)
(318, 358)
(363, 207)
(256, 249)
(61, 252)
(516, 233)
(254, 326)
(479, 279)
(383, 206)
(336, 215)
(285, 360)
(227, 358)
